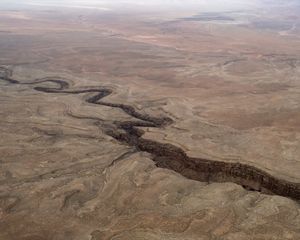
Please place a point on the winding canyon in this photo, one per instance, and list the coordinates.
(168, 155)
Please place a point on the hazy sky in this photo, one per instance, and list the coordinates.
(202, 5)
(110, 4)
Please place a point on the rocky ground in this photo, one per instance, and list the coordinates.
(114, 125)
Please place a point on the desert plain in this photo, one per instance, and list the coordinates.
(152, 121)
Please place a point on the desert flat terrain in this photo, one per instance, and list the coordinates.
(150, 123)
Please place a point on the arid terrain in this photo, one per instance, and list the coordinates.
(147, 121)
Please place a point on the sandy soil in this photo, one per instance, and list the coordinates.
(229, 83)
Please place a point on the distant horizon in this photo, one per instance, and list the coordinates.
(212, 5)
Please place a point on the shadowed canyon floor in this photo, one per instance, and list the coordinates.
(167, 155)
(108, 117)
